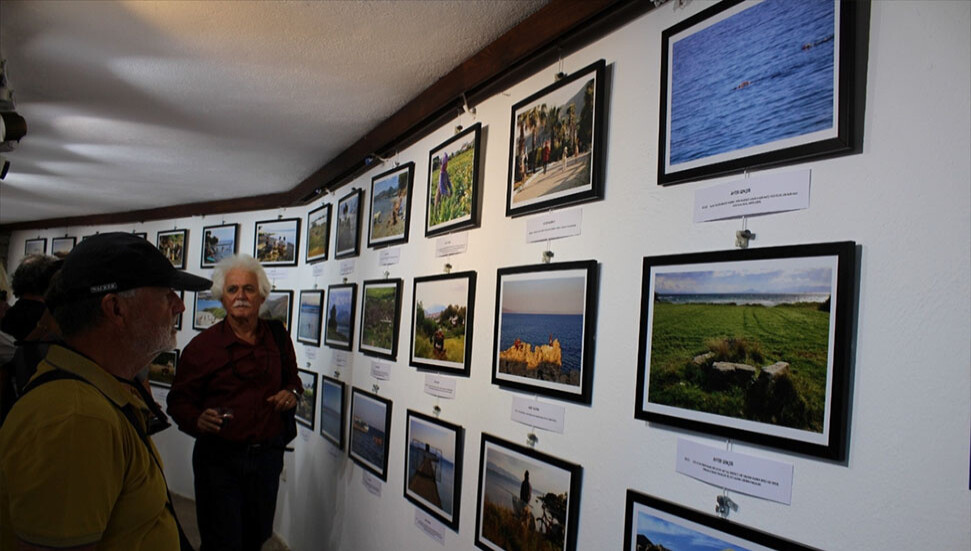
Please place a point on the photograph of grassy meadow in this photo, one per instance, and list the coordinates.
(748, 343)
(307, 402)
(318, 233)
(441, 337)
(528, 501)
(453, 177)
(391, 206)
(380, 312)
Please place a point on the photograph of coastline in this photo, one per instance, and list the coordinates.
(161, 372)
(391, 206)
(318, 233)
(339, 329)
(348, 242)
(746, 339)
(61, 246)
(218, 242)
(453, 183)
(307, 402)
(207, 311)
(370, 424)
(36, 246)
(277, 242)
(528, 501)
(309, 316)
(442, 317)
(433, 466)
(332, 410)
(278, 306)
(380, 313)
(545, 319)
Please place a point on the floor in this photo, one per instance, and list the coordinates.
(185, 508)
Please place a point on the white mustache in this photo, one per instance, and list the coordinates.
(241, 302)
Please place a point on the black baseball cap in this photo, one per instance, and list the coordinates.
(118, 261)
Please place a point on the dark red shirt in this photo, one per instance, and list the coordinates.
(219, 370)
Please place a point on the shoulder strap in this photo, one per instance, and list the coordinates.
(280, 337)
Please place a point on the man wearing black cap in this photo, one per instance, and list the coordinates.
(76, 467)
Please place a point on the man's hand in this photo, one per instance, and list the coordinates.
(283, 400)
(210, 421)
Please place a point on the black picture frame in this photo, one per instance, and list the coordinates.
(206, 311)
(35, 246)
(318, 233)
(333, 413)
(500, 511)
(391, 194)
(161, 372)
(545, 175)
(728, 116)
(306, 407)
(340, 315)
(448, 295)
(782, 382)
(62, 246)
(178, 319)
(380, 318)
(278, 306)
(310, 316)
(370, 432)
(218, 242)
(649, 520)
(347, 242)
(174, 245)
(277, 242)
(545, 329)
(433, 466)
(463, 211)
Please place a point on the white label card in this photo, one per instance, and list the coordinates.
(381, 371)
(437, 385)
(762, 194)
(554, 225)
(538, 414)
(311, 352)
(304, 433)
(275, 275)
(318, 269)
(160, 394)
(454, 243)
(341, 359)
(430, 526)
(371, 482)
(389, 257)
(347, 267)
(745, 474)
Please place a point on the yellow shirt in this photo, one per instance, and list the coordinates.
(73, 470)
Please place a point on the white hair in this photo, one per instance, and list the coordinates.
(239, 262)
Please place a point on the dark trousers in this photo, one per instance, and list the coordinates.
(236, 489)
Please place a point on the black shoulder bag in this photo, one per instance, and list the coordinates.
(281, 337)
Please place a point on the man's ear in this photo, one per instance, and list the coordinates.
(114, 309)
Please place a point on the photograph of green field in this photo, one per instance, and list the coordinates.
(749, 340)
(452, 182)
(380, 309)
(442, 319)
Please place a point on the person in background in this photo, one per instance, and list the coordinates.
(77, 469)
(234, 383)
(30, 281)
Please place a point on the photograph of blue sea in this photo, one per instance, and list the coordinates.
(505, 471)
(309, 326)
(331, 402)
(539, 329)
(368, 431)
(219, 242)
(759, 76)
(431, 464)
(679, 538)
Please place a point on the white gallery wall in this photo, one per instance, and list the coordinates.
(906, 200)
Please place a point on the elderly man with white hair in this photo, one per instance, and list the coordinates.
(233, 390)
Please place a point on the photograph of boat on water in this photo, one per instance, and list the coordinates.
(380, 316)
(652, 523)
(752, 344)
(544, 329)
(370, 432)
(433, 466)
(332, 410)
(754, 84)
(307, 402)
(218, 242)
(277, 242)
(527, 501)
(442, 321)
(391, 206)
(309, 316)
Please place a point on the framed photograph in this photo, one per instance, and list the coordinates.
(752, 344)
(310, 316)
(747, 85)
(453, 183)
(391, 206)
(173, 243)
(546, 322)
(527, 499)
(348, 241)
(341, 300)
(307, 402)
(35, 246)
(380, 315)
(178, 319)
(653, 523)
(442, 316)
(433, 466)
(278, 306)
(332, 416)
(61, 246)
(556, 151)
(161, 372)
(277, 242)
(318, 233)
(370, 432)
(207, 311)
(218, 242)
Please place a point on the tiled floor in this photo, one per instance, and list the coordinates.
(185, 508)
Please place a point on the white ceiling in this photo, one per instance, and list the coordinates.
(141, 104)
